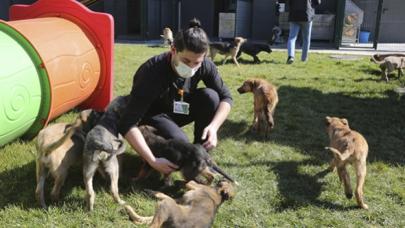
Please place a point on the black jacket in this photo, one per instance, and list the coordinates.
(302, 10)
(153, 89)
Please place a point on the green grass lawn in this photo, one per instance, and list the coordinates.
(282, 183)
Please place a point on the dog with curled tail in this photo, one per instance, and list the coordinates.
(390, 64)
(59, 146)
(348, 147)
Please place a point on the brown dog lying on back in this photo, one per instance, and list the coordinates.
(389, 64)
(265, 101)
(197, 207)
(348, 147)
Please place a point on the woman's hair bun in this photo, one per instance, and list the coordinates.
(194, 23)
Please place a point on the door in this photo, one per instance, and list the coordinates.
(392, 22)
(244, 18)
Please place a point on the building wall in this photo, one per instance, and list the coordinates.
(370, 15)
(392, 26)
(263, 19)
(118, 10)
(161, 13)
(4, 5)
(203, 10)
(244, 18)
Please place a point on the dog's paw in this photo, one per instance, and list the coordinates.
(364, 206)
(151, 192)
(55, 196)
(349, 195)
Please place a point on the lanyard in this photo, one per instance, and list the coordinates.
(181, 93)
(179, 85)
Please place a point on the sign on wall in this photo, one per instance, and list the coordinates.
(226, 25)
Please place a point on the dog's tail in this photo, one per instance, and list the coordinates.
(335, 151)
(69, 131)
(135, 218)
(373, 59)
(220, 171)
(121, 148)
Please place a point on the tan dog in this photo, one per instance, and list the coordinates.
(59, 146)
(227, 49)
(265, 101)
(389, 64)
(167, 36)
(348, 147)
(197, 207)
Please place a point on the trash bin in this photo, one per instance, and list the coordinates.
(363, 37)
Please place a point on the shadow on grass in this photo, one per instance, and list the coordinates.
(17, 186)
(392, 76)
(251, 61)
(299, 122)
(300, 189)
(296, 188)
(218, 61)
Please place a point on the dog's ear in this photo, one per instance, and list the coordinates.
(344, 121)
(84, 115)
(254, 83)
(328, 120)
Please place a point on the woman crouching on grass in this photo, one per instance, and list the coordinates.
(165, 95)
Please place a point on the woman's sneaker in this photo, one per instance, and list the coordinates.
(290, 60)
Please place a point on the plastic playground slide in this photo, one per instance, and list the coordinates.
(54, 55)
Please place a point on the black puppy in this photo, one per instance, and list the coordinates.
(193, 160)
(253, 48)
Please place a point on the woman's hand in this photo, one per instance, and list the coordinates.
(163, 165)
(210, 137)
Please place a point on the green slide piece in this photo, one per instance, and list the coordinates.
(24, 87)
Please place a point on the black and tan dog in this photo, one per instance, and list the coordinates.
(103, 145)
(59, 146)
(193, 160)
(227, 49)
(348, 147)
(253, 49)
(265, 102)
(197, 207)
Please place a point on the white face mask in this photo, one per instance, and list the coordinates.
(185, 71)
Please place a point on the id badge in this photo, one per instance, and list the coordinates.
(181, 107)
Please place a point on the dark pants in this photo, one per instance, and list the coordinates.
(203, 106)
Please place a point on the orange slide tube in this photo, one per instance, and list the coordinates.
(66, 61)
(69, 57)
